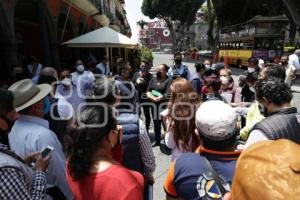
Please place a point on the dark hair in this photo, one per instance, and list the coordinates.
(254, 60)
(251, 77)
(274, 90)
(214, 82)
(147, 62)
(218, 145)
(199, 67)
(218, 67)
(84, 140)
(6, 101)
(105, 90)
(178, 53)
(208, 72)
(275, 70)
(166, 67)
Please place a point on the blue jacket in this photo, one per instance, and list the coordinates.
(132, 158)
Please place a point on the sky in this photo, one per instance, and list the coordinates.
(134, 14)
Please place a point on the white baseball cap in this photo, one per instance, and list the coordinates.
(216, 120)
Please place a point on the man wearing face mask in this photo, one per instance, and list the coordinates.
(66, 89)
(7, 115)
(57, 111)
(30, 133)
(128, 93)
(282, 121)
(83, 79)
(18, 180)
(141, 81)
(253, 65)
(207, 64)
(158, 92)
(179, 69)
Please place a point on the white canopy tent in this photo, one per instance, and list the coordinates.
(103, 37)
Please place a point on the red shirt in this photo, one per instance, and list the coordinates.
(114, 183)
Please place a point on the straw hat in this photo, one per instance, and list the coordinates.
(26, 93)
(268, 170)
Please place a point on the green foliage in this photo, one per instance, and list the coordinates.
(146, 54)
(231, 12)
(183, 11)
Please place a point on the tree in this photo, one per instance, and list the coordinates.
(210, 16)
(172, 10)
(141, 23)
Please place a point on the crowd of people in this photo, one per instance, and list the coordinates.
(228, 140)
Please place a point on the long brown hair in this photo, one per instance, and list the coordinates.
(182, 108)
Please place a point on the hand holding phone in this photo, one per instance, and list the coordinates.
(47, 151)
(41, 160)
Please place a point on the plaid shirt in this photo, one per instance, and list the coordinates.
(146, 151)
(15, 186)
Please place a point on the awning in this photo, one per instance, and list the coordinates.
(103, 37)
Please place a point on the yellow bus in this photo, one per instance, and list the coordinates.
(261, 37)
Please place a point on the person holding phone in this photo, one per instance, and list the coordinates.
(18, 180)
(92, 172)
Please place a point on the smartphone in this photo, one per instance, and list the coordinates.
(47, 151)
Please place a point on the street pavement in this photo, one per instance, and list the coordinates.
(162, 160)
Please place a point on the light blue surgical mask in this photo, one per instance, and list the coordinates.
(47, 106)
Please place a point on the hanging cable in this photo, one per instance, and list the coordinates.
(86, 17)
(67, 17)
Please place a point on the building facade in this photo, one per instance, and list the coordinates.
(38, 28)
(155, 35)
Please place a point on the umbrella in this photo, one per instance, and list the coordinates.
(103, 38)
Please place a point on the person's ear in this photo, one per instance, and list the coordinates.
(265, 101)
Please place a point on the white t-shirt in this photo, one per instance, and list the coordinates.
(170, 143)
(255, 136)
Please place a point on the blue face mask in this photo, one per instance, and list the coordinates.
(47, 106)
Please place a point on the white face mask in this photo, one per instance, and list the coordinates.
(66, 82)
(252, 89)
(224, 80)
(250, 69)
(207, 66)
(80, 68)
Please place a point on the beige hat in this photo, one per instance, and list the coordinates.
(26, 93)
(268, 170)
